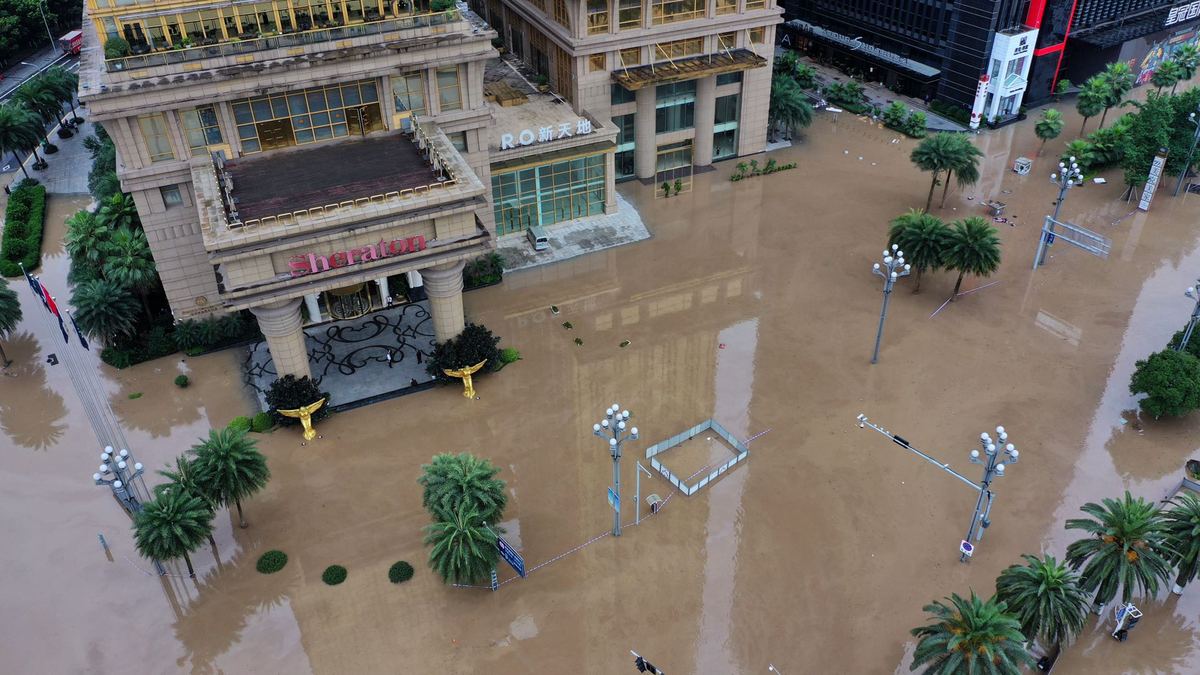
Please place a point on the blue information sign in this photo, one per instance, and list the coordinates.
(511, 556)
(614, 500)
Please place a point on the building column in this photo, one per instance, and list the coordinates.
(382, 282)
(645, 151)
(313, 307)
(443, 286)
(610, 182)
(706, 106)
(280, 322)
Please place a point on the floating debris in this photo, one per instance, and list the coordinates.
(135, 395)
(554, 309)
(579, 341)
(568, 325)
(624, 344)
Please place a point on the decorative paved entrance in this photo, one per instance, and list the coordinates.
(359, 361)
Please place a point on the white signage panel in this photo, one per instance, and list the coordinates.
(1156, 170)
(578, 127)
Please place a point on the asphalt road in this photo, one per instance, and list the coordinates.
(23, 72)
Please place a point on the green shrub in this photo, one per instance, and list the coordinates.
(116, 48)
(117, 358)
(240, 423)
(509, 355)
(951, 112)
(199, 336)
(159, 342)
(290, 392)
(261, 422)
(400, 572)
(894, 115)
(334, 575)
(915, 125)
(271, 562)
(441, 5)
(1171, 382)
(182, 381)
(474, 344)
(483, 271)
(25, 218)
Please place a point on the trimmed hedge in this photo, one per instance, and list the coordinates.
(271, 562)
(400, 572)
(334, 575)
(24, 221)
(241, 423)
(261, 422)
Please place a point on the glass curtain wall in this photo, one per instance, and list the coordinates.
(548, 193)
(307, 116)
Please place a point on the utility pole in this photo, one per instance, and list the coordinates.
(613, 426)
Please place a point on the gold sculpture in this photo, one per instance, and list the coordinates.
(305, 415)
(465, 374)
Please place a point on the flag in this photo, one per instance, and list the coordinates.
(78, 333)
(35, 286)
(48, 301)
(63, 327)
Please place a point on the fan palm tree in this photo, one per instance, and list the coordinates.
(64, 84)
(964, 164)
(922, 237)
(969, 636)
(86, 237)
(10, 316)
(1188, 58)
(183, 478)
(19, 130)
(1167, 74)
(1125, 550)
(1079, 151)
(1118, 80)
(229, 468)
(172, 526)
(105, 310)
(1090, 101)
(1049, 127)
(789, 108)
(1046, 598)
(1181, 527)
(453, 480)
(464, 548)
(128, 261)
(972, 247)
(935, 154)
(38, 97)
(119, 211)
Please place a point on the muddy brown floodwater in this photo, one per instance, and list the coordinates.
(752, 304)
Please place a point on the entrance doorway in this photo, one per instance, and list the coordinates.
(351, 302)
(275, 133)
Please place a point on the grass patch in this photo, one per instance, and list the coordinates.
(271, 562)
(400, 572)
(135, 395)
(334, 575)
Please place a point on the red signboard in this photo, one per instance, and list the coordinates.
(313, 263)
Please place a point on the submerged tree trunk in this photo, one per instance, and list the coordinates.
(957, 285)
(1083, 126)
(191, 572)
(946, 189)
(918, 280)
(20, 163)
(932, 185)
(4, 362)
(241, 518)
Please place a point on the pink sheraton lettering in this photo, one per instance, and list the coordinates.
(313, 263)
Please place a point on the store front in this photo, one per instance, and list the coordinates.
(548, 192)
(851, 55)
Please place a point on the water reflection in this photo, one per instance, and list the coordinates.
(31, 413)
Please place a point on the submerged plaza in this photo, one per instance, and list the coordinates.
(733, 319)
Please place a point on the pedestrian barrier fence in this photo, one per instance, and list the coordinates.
(740, 454)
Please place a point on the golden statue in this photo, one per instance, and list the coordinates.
(305, 415)
(465, 374)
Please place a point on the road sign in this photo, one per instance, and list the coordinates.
(614, 500)
(511, 556)
(965, 548)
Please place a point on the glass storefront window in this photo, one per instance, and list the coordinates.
(548, 193)
(624, 124)
(624, 164)
(725, 144)
(727, 109)
(201, 129)
(675, 106)
(621, 95)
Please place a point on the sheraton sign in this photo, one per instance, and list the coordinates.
(312, 263)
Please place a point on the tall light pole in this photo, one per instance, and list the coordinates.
(1188, 164)
(1066, 178)
(892, 269)
(120, 472)
(994, 464)
(1187, 332)
(613, 427)
(42, 9)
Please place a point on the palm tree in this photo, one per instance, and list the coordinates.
(972, 247)
(935, 154)
(1188, 58)
(1049, 127)
(119, 211)
(1079, 151)
(464, 549)
(1118, 80)
(970, 636)
(1090, 101)
(19, 130)
(172, 526)
(39, 98)
(1167, 74)
(789, 108)
(964, 164)
(105, 310)
(229, 468)
(64, 84)
(10, 316)
(1126, 549)
(86, 239)
(128, 261)
(453, 480)
(1046, 598)
(922, 237)
(183, 478)
(1181, 527)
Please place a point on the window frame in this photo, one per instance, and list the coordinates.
(444, 87)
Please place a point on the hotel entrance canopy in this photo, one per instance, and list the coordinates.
(689, 68)
(856, 46)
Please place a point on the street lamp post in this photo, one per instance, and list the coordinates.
(1188, 164)
(1066, 178)
(121, 473)
(613, 427)
(994, 464)
(892, 269)
(42, 9)
(1187, 332)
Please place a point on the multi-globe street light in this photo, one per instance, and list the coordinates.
(1068, 176)
(891, 270)
(613, 427)
(1187, 332)
(119, 472)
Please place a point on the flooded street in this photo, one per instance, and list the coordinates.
(754, 304)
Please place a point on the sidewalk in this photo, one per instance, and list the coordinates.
(68, 170)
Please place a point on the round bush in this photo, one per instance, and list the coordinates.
(240, 423)
(272, 561)
(400, 572)
(181, 381)
(262, 422)
(334, 575)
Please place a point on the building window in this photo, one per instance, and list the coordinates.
(726, 6)
(630, 57)
(629, 14)
(307, 115)
(409, 92)
(756, 36)
(624, 124)
(670, 11)
(157, 138)
(678, 49)
(596, 62)
(458, 139)
(597, 17)
(755, 4)
(674, 162)
(171, 195)
(727, 109)
(729, 78)
(201, 129)
(624, 164)
(449, 91)
(560, 13)
(622, 95)
(564, 74)
(675, 107)
(725, 144)
(726, 41)
(548, 193)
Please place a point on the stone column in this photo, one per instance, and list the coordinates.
(444, 285)
(314, 308)
(610, 182)
(280, 323)
(382, 282)
(706, 105)
(645, 151)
